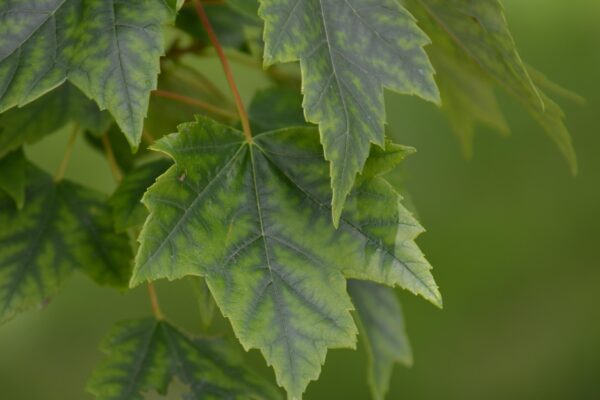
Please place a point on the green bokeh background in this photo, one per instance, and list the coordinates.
(515, 241)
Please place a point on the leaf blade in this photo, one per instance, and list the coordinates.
(343, 79)
(49, 42)
(382, 331)
(240, 215)
(62, 227)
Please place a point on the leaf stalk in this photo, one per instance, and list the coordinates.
(226, 69)
(194, 102)
(62, 168)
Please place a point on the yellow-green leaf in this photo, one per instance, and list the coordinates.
(254, 220)
(381, 327)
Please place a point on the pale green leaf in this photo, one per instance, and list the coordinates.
(348, 50)
(381, 327)
(126, 202)
(109, 49)
(478, 31)
(12, 176)
(47, 115)
(62, 227)
(255, 221)
(145, 355)
(468, 97)
(544, 83)
(383, 160)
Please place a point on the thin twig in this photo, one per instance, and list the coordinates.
(110, 156)
(226, 68)
(194, 102)
(154, 301)
(60, 173)
(116, 171)
(147, 136)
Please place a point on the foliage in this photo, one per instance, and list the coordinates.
(282, 214)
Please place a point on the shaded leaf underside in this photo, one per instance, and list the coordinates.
(12, 176)
(254, 220)
(62, 227)
(126, 201)
(145, 355)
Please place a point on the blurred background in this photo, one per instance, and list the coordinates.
(513, 237)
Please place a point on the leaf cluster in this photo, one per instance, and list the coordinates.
(282, 215)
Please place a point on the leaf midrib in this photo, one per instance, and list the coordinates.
(27, 265)
(277, 295)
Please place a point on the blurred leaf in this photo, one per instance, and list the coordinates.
(464, 30)
(146, 355)
(63, 226)
(480, 29)
(545, 83)
(137, 362)
(47, 115)
(126, 201)
(247, 7)
(109, 49)
(348, 53)
(206, 304)
(254, 220)
(381, 327)
(466, 89)
(12, 176)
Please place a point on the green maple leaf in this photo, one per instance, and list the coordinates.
(381, 325)
(478, 32)
(255, 221)
(12, 176)
(467, 91)
(146, 355)
(109, 49)
(348, 52)
(126, 202)
(62, 227)
(48, 114)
